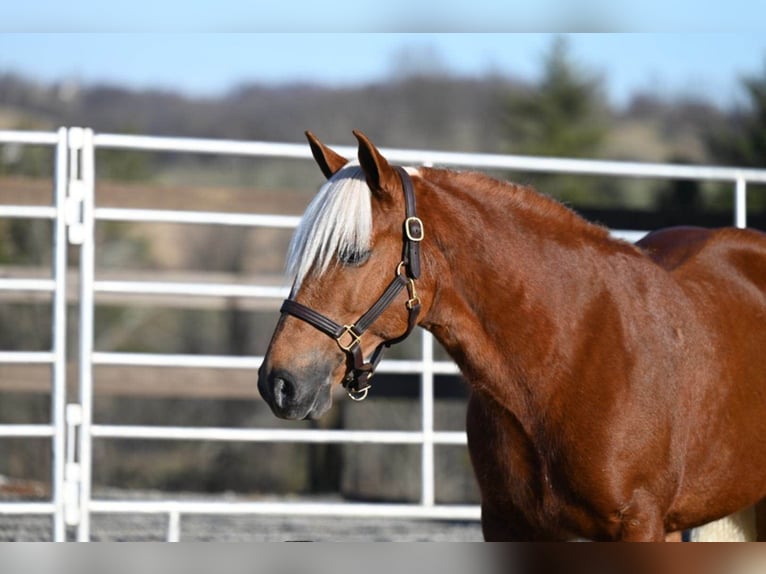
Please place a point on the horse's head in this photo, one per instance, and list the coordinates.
(354, 258)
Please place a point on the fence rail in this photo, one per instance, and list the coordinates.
(75, 213)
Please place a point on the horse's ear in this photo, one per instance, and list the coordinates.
(329, 161)
(380, 175)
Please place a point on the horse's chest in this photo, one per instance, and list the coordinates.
(530, 489)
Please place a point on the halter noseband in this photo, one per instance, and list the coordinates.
(348, 337)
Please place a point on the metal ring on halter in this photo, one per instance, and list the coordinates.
(400, 268)
(358, 396)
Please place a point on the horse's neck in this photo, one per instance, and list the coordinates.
(511, 289)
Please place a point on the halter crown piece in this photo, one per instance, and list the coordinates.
(348, 337)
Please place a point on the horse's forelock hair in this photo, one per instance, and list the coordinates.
(337, 221)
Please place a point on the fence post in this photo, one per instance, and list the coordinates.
(740, 203)
(427, 405)
(174, 525)
(82, 183)
(58, 389)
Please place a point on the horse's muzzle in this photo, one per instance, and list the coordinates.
(292, 397)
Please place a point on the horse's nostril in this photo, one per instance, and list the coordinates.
(284, 390)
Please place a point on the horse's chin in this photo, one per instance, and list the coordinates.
(314, 410)
(319, 409)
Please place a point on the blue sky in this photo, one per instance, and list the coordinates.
(704, 65)
(375, 16)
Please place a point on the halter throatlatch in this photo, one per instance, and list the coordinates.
(348, 337)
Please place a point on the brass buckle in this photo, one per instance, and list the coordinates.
(355, 339)
(414, 299)
(409, 232)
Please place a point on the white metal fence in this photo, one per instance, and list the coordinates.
(74, 212)
(56, 356)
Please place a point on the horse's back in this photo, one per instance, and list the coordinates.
(672, 246)
(737, 257)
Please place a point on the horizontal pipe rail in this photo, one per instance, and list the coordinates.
(628, 234)
(45, 285)
(16, 508)
(190, 289)
(24, 137)
(195, 217)
(313, 509)
(238, 362)
(170, 360)
(27, 357)
(275, 435)
(392, 366)
(28, 211)
(457, 159)
(21, 430)
(582, 166)
(201, 146)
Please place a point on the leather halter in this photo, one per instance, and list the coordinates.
(348, 337)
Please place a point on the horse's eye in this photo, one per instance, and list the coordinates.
(353, 257)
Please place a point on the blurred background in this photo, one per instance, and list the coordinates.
(679, 98)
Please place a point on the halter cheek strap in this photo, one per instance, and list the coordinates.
(348, 337)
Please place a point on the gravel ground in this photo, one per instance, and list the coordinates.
(282, 529)
(148, 528)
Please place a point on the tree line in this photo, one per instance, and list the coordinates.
(564, 113)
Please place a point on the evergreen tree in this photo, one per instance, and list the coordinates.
(744, 143)
(564, 116)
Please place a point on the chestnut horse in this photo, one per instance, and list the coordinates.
(618, 390)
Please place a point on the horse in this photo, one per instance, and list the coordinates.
(618, 390)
